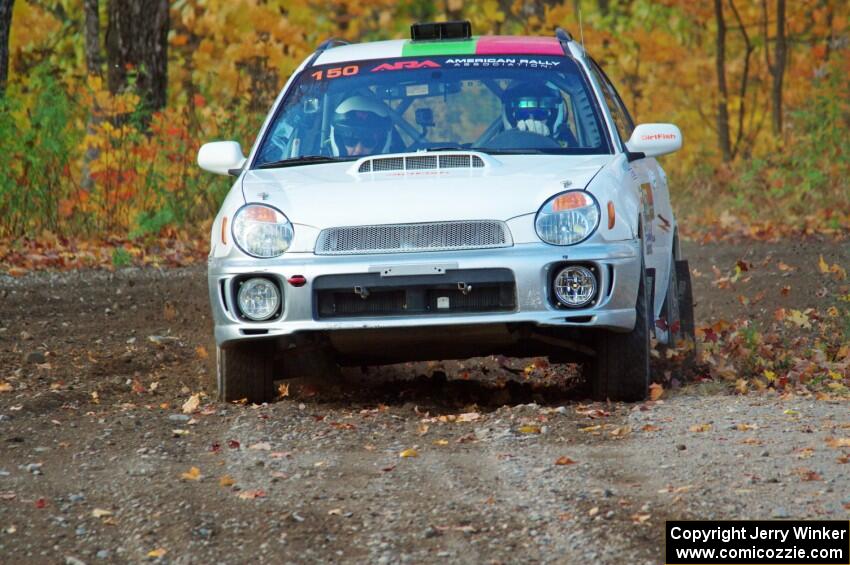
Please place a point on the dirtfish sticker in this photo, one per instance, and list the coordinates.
(521, 62)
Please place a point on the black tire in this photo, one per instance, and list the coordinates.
(620, 369)
(246, 371)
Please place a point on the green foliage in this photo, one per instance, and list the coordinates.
(121, 258)
(40, 139)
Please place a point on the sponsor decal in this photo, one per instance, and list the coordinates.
(665, 223)
(648, 216)
(521, 62)
(658, 136)
(406, 65)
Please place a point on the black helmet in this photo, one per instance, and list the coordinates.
(532, 101)
(361, 120)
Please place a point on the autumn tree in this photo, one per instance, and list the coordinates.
(5, 26)
(777, 66)
(137, 41)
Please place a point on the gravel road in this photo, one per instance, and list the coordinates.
(478, 461)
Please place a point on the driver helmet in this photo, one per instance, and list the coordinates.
(535, 103)
(360, 126)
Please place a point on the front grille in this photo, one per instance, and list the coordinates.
(473, 291)
(409, 238)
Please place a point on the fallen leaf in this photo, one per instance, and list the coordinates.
(440, 442)
(564, 460)
(621, 431)
(700, 428)
(640, 517)
(192, 404)
(335, 512)
(193, 474)
(529, 429)
(6, 387)
(41, 503)
(808, 475)
(468, 417)
(783, 267)
(100, 513)
(746, 427)
(595, 428)
(232, 444)
(823, 266)
(741, 386)
(593, 511)
(843, 459)
(261, 446)
(283, 390)
(650, 428)
(409, 453)
(201, 352)
(422, 429)
(805, 452)
(838, 442)
(252, 494)
(157, 553)
(656, 391)
(388, 469)
(226, 481)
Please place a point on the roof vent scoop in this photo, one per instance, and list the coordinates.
(435, 31)
(422, 162)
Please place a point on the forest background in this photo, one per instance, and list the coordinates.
(104, 103)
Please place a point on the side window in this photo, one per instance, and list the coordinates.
(621, 116)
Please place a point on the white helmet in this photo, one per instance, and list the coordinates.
(361, 120)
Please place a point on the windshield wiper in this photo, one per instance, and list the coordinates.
(526, 151)
(448, 148)
(305, 160)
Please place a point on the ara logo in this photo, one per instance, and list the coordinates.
(400, 65)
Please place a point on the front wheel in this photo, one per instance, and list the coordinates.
(246, 370)
(620, 369)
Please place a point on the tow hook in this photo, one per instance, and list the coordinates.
(362, 291)
(464, 288)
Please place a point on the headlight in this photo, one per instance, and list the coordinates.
(567, 218)
(258, 299)
(261, 231)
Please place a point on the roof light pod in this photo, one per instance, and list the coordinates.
(567, 218)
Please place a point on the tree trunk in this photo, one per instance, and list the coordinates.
(93, 55)
(723, 137)
(5, 26)
(777, 71)
(137, 42)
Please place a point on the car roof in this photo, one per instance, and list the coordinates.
(475, 46)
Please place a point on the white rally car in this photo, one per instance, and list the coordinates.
(443, 197)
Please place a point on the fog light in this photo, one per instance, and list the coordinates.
(258, 299)
(575, 286)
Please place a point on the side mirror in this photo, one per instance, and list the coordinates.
(655, 139)
(221, 157)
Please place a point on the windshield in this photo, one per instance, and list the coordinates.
(500, 104)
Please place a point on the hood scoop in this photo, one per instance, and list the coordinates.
(432, 161)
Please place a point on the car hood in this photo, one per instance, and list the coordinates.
(334, 194)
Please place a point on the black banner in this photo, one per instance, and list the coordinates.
(764, 542)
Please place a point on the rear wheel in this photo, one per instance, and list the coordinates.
(246, 370)
(620, 368)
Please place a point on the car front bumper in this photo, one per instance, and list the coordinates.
(532, 265)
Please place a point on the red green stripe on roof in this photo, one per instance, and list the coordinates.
(485, 45)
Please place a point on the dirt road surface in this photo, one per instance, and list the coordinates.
(99, 463)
